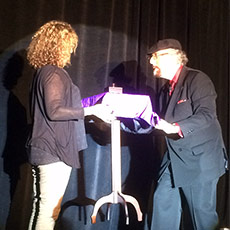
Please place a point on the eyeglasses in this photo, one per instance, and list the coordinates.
(156, 56)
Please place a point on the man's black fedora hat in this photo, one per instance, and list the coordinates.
(165, 44)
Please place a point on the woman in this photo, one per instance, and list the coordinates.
(58, 131)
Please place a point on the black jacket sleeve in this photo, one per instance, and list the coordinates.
(55, 88)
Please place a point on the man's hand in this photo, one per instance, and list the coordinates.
(167, 127)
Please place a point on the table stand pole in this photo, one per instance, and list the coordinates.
(116, 196)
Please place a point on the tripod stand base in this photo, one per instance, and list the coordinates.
(114, 198)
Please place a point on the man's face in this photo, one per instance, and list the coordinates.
(164, 63)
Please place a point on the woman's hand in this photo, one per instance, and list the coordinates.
(101, 111)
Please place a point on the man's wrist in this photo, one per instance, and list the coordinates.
(178, 129)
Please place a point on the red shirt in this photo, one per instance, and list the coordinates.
(174, 80)
(172, 87)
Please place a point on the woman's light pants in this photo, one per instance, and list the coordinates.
(49, 185)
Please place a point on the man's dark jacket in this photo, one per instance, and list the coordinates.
(200, 155)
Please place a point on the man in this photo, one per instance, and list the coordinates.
(194, 161)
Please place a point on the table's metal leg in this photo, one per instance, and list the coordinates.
(123, 201)
(134, 202)
(99, 203)
(108, 211)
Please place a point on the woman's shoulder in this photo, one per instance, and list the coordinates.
(50, 71)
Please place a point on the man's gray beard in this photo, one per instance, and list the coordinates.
(156, 72)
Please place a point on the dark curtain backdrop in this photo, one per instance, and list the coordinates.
(114, 37)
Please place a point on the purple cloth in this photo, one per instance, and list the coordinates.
(89, 101)
(126, 105)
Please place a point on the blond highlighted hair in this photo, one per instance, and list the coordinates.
(52, 44)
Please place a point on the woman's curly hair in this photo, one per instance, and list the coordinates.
(52, 44)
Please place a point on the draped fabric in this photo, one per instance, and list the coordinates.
(114, 36)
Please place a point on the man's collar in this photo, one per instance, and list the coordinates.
(176, 76)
